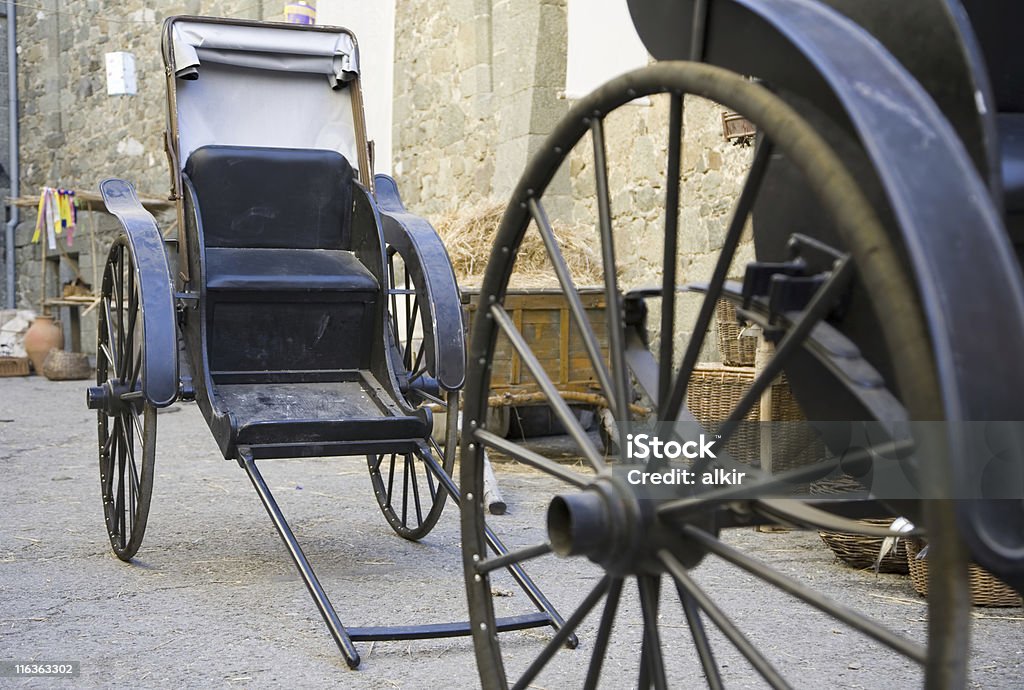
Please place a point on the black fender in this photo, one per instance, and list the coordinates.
(431, 271)
(156, 290)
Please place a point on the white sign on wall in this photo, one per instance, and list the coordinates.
(602, 44)
(121, 74)
(373, 23)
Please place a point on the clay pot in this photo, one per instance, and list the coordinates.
(42, 336)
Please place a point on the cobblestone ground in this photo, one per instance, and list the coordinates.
(212, 599)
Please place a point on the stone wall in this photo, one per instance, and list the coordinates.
(73, 134)
(477, 91)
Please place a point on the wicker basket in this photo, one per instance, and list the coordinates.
(737, 350)
(66, 366)
(856, 550)
(986, 588)
(714, 391)
(13, 366)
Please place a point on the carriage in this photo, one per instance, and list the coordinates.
(874, 242)
(300, 305)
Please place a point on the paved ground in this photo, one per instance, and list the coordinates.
(212, 599)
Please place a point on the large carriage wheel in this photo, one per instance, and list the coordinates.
(407, 491)
(642, 540)
(126, 420)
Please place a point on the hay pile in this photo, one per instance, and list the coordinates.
(469, 236)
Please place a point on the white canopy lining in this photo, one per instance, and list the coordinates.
(265, 48)
(235, 106)
(264, 86)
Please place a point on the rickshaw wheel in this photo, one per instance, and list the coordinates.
(126, 421)
(405, 486)
(644, 538)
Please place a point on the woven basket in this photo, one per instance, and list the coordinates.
(66, 366)
(736, 350)
(714, 391)
(856, 550)
(13, 366)
(986, 588)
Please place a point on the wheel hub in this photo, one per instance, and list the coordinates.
(617, 526)
(109, 397)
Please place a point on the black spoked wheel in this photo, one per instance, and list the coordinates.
(405, 484)
(640, 538)
(126, 421)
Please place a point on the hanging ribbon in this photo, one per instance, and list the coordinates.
(56, 214)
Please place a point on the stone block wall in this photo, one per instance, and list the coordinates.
(478, 87)
(476, 91)
(73, 134)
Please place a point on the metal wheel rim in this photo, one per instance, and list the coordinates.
(127, 439)
(409, 471)
(945, 664)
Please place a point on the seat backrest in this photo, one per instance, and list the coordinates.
(272, 197)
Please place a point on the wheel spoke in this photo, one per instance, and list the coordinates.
(418, 367)
(394, 301)
(517, 556)
(700, 639)
(430, 483)
(652, 662)
(744, 205)
(410, 331)
(604, 633)
(133, 468)
(563, 634)
(802, 592)
(391, 480)
(572, 297)
(111, 345)
(416, 492)
(613, 301)
(405, 491)
(119, 305)
(128, 359)
(558, 404)
(728, 628)
(119, 503)
(670, 256)
(529, 457)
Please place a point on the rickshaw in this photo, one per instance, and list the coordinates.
(300, 305)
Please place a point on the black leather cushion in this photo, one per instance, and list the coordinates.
(272, 197)
(286, 269)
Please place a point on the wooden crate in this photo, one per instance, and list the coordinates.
(543, 317)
